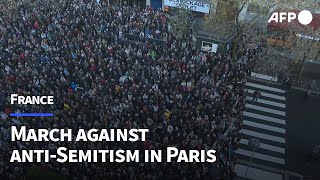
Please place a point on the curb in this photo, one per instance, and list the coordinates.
(295, 88)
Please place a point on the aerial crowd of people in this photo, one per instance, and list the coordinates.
(78, 53)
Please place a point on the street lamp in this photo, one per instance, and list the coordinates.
(254, 144)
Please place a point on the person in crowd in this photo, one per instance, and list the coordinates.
(256, 96)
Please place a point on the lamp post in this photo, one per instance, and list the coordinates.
(254, 143)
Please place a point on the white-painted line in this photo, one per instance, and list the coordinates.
(259, 86)
(265, 77)
(254, 173)
(263, 136)
(268, 110)
(269, 95)
(271, 103)
(264, 118)
(263, 126)
(260, 156)
(266, 146)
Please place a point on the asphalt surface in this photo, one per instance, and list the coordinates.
(311, 70)
(303, 133)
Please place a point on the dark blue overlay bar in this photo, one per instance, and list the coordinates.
(31, 114)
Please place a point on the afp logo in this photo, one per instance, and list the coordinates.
(304, 17)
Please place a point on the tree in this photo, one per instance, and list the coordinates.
(300, 49)
(224, 17)
(180, 23)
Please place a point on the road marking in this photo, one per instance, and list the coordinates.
(264, 118)
(263, 126)
(263, 136)
(271, 103)
(268, 110)
(254, 173)
(265, 77)
(260, 156)
(265, 87)
(268, 95)
(265, 146)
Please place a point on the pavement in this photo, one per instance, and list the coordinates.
(303, 133)
(249, 172)
(311, 70)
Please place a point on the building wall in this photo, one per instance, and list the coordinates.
(148, 3)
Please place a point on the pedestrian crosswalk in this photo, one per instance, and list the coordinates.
(264, 120)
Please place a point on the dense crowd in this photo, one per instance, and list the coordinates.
(77, 53)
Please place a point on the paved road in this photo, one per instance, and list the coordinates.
(287, 127)
(303, 133)
(264, 120)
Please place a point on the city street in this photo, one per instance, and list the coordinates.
(303, 133)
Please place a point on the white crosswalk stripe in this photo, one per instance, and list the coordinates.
(261, 156)
(262, 87)
(265, 77)
(264, 120)
(271, 103)
(268, 110)
(263, 126)
(265, 146)
(262, 136)
(269, 95)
